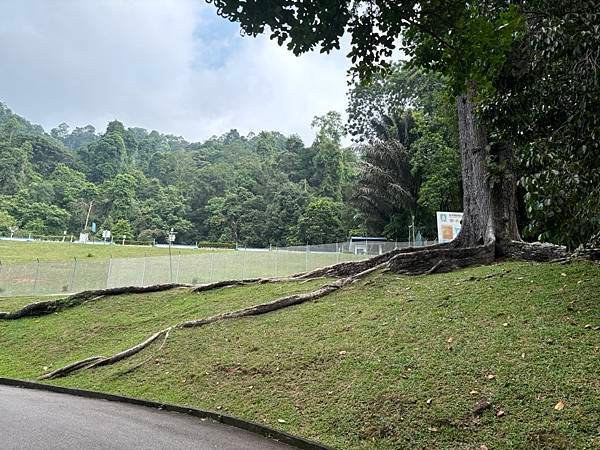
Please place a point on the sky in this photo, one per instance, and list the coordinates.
(169, 65)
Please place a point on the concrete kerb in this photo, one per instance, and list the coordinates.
(281, 436)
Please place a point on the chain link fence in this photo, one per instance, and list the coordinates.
(79, 274)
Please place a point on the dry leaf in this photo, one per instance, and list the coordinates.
(563, 274)
(432, 429)
(522, 355)
(343, 352)
(500, 413)
(490, 376)
(588, 326)
(281, 421)
(483, 447)
(559, 406)
(450, 340)
(474, 392)
(429, 401)
(505, 324)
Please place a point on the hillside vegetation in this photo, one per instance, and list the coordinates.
(506, 356)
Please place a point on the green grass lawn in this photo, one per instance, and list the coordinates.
(18, 251)
(388, 362)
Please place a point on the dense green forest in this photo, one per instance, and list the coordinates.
(259, 189)
(255, 190)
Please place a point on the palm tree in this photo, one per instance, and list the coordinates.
(387, 186)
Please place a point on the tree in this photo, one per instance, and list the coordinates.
(106, 157)
(328, 169)
(467, 42)
(7, 222)
(122, 230)
(320, 222)
(546, 105)
(14, 167)
(387, 187)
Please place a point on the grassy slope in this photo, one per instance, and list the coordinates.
(17, 251)
(356, 369)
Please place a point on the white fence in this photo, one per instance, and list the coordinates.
(79, 274)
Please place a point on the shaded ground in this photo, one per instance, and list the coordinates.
(481, 356)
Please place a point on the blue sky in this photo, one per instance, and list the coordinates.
(170, 65)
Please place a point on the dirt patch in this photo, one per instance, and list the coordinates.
(383, 416)
(544, 439)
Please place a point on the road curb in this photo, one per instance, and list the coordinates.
(252, 427)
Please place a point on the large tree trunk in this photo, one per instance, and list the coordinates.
(489, 205)
(477, 227)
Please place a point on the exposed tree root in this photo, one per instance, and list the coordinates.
(427, 261)
(535, 251)
(349, 268)
(280, 303)
(51, 306)
(137, 366)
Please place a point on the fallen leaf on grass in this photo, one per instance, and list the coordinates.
(281, 421)
(490, 376)
(483, 447)
(473, 392)
(429, 401)
(343, 352)
(500, 413)
(432, 429)
(559, 406)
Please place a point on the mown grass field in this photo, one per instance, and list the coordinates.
(388, 362)
(12, 252)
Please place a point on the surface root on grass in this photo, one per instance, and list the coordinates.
(52, 306)
(263, 308)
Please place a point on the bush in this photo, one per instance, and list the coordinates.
(205, 244)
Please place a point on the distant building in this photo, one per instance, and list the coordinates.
(362, 245)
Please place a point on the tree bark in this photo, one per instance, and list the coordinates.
(477, 225)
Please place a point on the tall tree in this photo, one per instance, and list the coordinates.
(468, 42)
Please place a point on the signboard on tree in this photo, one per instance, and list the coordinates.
(448, 225)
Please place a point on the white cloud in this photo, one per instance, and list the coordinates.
(166, 65)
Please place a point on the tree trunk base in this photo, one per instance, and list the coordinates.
(428, 261)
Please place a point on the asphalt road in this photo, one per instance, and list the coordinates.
(33, 419)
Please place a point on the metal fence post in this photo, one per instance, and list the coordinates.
(108, 273)
(72, 282)
(306, 258)
(178, 267)
(244, 262)
(212, 264)
(37, 273)
(337, 253)
(144, 271)
(276, 261)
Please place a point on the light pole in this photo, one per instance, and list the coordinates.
(171, 239)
